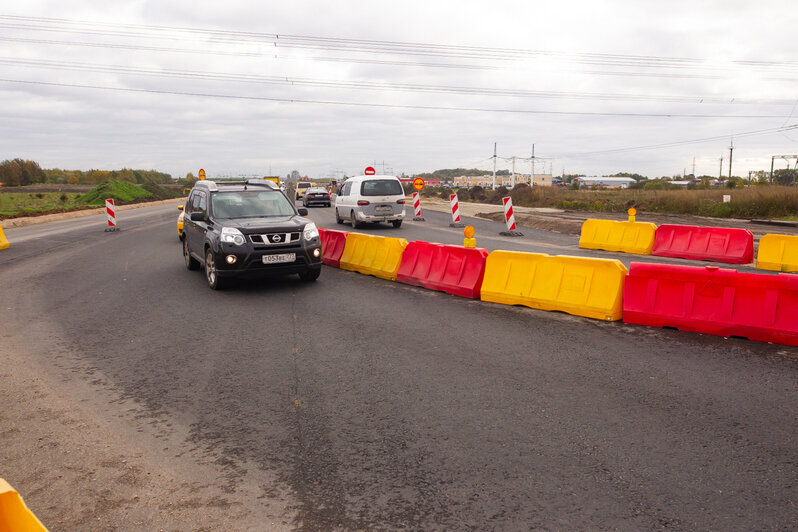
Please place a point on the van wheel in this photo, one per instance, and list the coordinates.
(338, 219)
(191, 262)
(396, 223)
(354, 221)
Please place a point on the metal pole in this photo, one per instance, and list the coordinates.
(731, 150)
(512, 179)
(771, 168)
(494, 166)
(532, 164)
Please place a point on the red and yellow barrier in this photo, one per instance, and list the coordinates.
(611, 235)
(332, 246)
(577, 285)
(455, 270)
(373, 255)
(14, 514)
(778, 253)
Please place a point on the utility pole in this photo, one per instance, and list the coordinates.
(771, 168)
(494, 166)
(731, 149)
(512, 179)
(532, 164)
(720, 172)
(693, 167)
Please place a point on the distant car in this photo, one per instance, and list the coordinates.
(301, 188)
(243, 229)
(180, 222)
(316, 196)
(371, 198)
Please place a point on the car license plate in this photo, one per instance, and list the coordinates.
(383, 208)
(279, 258)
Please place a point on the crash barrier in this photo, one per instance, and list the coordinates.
(611, 235)
(373, 255)
(577, 285)
(713, 301)
(14, 515)
(778, 253)
(332, 246)
(4, 244)
(719, 244)
(455, 270)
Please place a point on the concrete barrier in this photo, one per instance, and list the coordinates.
(577, 285)
(778, 253)
(715, 301)
(373, 255)
(455, 270)
(14, 515)
(719, 244)
(611, 235)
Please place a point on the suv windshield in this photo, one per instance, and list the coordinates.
(381, 187)
(250, 204)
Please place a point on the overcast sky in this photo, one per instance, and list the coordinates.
(326, 88)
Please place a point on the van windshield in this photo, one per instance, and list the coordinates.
(381, 187)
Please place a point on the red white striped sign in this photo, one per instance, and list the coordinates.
(455, 208)
(509, 218)
(416, 204)
(111, 212)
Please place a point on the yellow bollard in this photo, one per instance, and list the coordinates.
(631, 212)
(3, 240)
(469, 241)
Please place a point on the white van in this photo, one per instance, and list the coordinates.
(371, 198)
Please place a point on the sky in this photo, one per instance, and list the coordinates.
(328, 88)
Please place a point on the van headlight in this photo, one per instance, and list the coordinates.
(231, 235)
(310, 232)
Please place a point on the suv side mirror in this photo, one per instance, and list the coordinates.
(302, 211)
(197, 216)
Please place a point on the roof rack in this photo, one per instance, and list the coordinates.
(213, 186)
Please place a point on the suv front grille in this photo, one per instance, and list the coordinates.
(276, 239)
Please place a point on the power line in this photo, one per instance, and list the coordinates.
(365, 85)
(385, 105)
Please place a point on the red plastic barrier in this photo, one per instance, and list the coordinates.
(332, 246)
(713, 301)
(452, 269)
(719, 244)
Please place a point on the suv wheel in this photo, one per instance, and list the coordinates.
(396, 223)
(211, 274)
(191, 262)
(338, 219)
(310, 275)
(355, 224)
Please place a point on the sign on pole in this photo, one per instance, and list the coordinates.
(418, 183)
(369, 170)
(202, 174)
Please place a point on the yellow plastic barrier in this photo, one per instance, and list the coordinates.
(577, 285)
(14, 515)
(373, 255)
(628, 237)
(3, 240)
(778, 253)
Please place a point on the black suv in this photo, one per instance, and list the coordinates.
(245, 228)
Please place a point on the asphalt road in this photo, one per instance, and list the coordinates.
(355, 403)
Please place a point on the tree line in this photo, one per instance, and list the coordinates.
(19, 172)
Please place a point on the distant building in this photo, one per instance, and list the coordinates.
(607, 182)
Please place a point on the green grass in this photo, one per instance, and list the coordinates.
(21, 203)
(13, 204)
(120, 191)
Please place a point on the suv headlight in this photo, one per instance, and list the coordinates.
(310, 232)
(231, 235)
